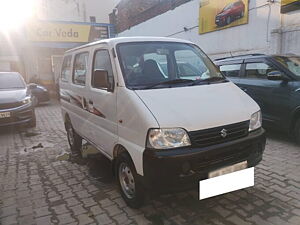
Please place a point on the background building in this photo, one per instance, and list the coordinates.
(270, 26)
(36, 49)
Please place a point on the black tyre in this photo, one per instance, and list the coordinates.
(131, 189)
(228, 20)
(32, 122)
(297, 131)
(75, 141)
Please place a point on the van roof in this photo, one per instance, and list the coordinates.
(114, 41)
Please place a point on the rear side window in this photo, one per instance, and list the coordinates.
(231, 70)
(80, 68)
(102, 62)
(258, 70)
(66, 68)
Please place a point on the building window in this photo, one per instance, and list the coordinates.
(93, 19)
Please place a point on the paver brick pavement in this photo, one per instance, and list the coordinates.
(38, 189)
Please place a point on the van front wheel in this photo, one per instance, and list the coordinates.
(75, 141)
(129, 185)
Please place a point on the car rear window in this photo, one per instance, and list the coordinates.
(11, 81)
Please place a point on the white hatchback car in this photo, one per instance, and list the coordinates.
(162, 131)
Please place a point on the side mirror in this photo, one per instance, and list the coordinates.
(100, 80)
(275, 75)
(32, 86)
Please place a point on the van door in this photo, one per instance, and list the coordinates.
(77, 92)
(102, 104)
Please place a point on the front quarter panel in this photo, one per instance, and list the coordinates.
(134, 121)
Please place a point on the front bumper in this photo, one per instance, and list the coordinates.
(183, 168)
(19, 115)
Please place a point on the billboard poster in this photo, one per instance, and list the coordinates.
(221, 14)
(289, 5)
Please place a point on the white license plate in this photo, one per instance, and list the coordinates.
(4, 114)
(229, 182)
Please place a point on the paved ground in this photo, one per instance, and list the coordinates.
(38, 189)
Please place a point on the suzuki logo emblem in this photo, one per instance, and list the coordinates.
(224, 133)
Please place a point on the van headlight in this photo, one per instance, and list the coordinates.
(26, 101)
(255, 121)
(168, 138)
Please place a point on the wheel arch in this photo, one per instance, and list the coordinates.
(119, 149)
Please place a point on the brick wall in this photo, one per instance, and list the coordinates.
(132, 12)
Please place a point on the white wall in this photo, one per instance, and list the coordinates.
(59, 10)
(75, 10)
(291, 32)
(100, 9)
(254, 37)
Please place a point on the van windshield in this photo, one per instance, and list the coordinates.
(165, 64)
(11, 81)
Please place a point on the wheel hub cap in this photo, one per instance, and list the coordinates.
(126, 180)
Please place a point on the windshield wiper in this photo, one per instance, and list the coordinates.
(176, 81)
(209, 80)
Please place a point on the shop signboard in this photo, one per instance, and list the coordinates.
(65, 32)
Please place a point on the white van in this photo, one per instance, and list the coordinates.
(160, 110)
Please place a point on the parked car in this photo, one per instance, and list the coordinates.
(15, 101)
(39, 93)
(273, 81)
(161, 133)
(230, 12)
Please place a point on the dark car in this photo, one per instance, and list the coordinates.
(273, 82)
(39, 93)
(230, 12)
(15, 101)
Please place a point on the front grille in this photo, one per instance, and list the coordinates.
(10, 105)
(212, 136)
(215, 160)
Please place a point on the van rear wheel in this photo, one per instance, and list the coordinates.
(75, 141)
(131, 189)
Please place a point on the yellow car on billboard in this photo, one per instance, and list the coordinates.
(220, 14)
